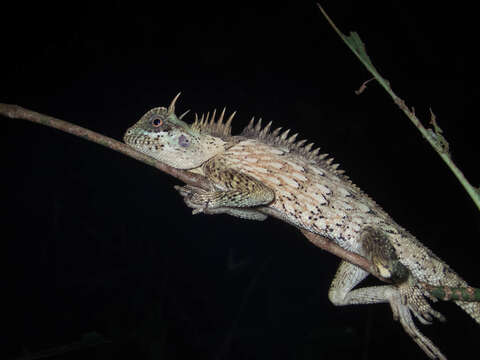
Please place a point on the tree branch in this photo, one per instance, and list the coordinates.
(17, 112)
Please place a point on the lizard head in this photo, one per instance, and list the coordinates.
(164, 136)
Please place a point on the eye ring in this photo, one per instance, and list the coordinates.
(157, 122)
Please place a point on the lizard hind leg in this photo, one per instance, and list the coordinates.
(401, 298)
(385, 262)
(405, 295)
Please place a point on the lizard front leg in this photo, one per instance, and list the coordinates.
(233, 193)
(405, 295)
(192, 198)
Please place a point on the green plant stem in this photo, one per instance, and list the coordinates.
(433, 136)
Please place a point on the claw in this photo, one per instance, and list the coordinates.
(408, 299)
(402, 313)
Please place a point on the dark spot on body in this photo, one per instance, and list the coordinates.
(183, 141)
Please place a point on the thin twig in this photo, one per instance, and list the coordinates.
(17, 112)
(336, 250)
(434, 136)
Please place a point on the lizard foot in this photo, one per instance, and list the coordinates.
(414, 297)
(202, 201)
(409, 298)
(194, 197)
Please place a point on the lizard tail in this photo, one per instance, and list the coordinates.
(471, 308)
(459, 289)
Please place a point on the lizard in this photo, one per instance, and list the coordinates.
(261, 172)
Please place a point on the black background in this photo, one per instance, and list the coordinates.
(97, 242)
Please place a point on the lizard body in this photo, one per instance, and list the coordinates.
(262, 168)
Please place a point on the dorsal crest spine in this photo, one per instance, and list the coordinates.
(210, 125)
(254, 130)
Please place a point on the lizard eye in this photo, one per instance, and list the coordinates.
(157, 122)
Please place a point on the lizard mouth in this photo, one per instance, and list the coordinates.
(131, 139)
(142, 143)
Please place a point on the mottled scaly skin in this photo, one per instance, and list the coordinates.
(325, 203)
(260, 169)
